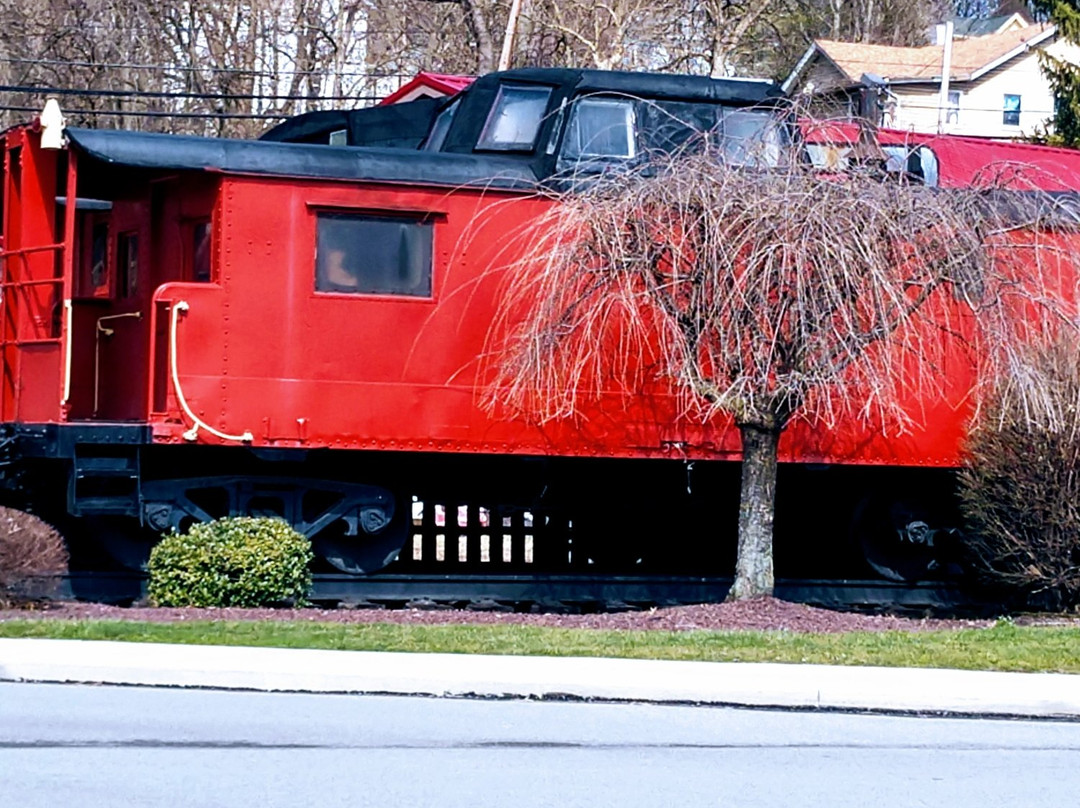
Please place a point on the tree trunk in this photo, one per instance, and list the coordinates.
(757, 505)
(485, 46)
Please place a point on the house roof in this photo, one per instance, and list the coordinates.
(973, 26)
(971, 58)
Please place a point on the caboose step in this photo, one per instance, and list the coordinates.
(104, 484)
(106, 467)
(105, 506)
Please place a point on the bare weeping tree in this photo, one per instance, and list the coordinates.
(766, 292)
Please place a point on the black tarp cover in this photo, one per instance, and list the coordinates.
(189, 153)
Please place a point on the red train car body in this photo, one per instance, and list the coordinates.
(193, 327)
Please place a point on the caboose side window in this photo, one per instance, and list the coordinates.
(376, 255)
(127, 264)
(99, 256)
(200, 251)
(94, 278)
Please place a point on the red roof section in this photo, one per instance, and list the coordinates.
(440, 83)
(967, 161)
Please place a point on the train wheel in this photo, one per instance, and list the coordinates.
(357, 529)
(373, 543)
(903, 539)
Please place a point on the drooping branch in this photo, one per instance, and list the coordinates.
(774, 294)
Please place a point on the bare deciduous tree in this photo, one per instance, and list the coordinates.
(765, 292)
(209, 68)
(728, 24)
(616, 35)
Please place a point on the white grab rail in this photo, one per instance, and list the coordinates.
(197, 423)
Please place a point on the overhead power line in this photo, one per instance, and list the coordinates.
(157, 114)
(32, 90)
(962, 109)
(326, 71)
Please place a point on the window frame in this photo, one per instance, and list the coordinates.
(1009, 116)
(629, 118)
(126, 249)
(90, 225)
(190, 229)
(770, 140)
(952, 109)
(440, 127)
(897, 156)
(427, 219)
(485, 142)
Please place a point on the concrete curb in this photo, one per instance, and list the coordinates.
(1040, 695)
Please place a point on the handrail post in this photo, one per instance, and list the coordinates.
(68, 264)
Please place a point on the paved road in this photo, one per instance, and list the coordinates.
(75, 745)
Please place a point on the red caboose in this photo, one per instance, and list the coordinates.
(196, 327)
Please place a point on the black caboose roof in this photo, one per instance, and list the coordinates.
(143, 150)
(407, 124)
(384, 142)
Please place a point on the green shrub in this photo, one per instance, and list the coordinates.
(1020, 492)
(240, 561)
(32, 557)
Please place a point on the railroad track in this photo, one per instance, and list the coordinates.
(577, 593)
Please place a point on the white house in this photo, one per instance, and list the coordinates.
(995, 88)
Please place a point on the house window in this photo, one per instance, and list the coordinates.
(952, 108)
(1011, 114)
(378, 255)
(515, 118)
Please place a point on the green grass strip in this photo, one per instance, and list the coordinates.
(1003, 647)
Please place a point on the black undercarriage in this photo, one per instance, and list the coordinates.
(424, 517)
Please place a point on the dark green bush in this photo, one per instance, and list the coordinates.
(1020, 492)
(240, 561)
(32, 557)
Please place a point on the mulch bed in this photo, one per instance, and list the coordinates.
(759, 614)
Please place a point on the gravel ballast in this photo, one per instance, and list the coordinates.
(759, 614)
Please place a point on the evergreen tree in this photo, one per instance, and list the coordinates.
(1064, 76)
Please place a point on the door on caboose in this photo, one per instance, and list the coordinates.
(121, 324)
(157, 232)
(108, 325)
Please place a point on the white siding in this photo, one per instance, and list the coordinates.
(916, 109)
(982, 103)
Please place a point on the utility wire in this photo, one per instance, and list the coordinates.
(30, 90)
(327, 71)
(156, 113)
